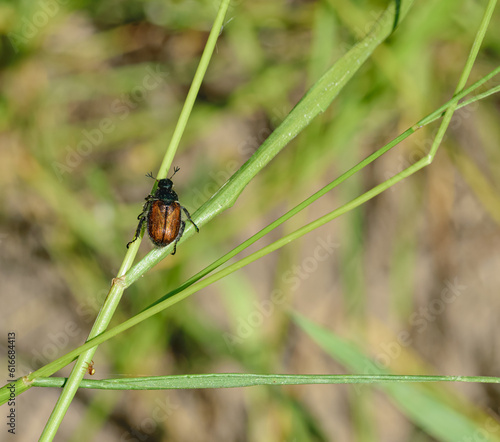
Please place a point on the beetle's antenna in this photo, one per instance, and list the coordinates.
(176, 169)
(150, 175)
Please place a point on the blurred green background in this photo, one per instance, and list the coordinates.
(90, 94)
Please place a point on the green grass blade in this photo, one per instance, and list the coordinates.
(465, 75)
(237, 380)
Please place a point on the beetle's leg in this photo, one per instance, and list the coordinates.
(142, 218)
(189, 218)
(138, 231)
(179, 235)
(145, 209)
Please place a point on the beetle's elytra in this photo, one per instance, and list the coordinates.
(162, 212)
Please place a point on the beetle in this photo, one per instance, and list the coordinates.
(162, 212)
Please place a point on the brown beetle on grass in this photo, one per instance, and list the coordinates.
(162, 212)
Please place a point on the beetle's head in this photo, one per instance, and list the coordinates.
(165, 183)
